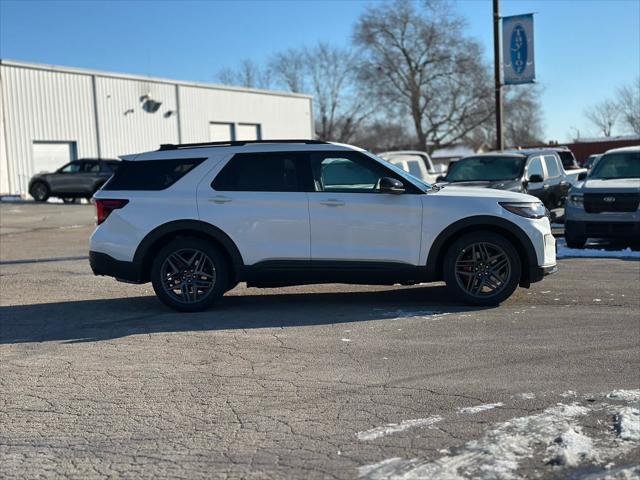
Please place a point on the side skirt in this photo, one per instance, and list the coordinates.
(278, 273)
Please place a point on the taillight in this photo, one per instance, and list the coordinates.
(104, 207)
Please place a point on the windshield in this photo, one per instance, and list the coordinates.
(490, 169)
(403, 173)
(567, 158)
(617, 165)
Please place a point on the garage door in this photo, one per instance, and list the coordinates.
(221, 132)
(49, 156)
(249, 131)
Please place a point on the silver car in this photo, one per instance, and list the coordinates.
(606, 204)
(77, 179)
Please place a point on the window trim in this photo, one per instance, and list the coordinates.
(410, 188)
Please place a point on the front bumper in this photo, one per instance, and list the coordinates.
(103, 264)
(538, 273)
(603, 229)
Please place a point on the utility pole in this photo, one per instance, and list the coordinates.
(496, 59)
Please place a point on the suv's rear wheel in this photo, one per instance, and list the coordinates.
(482, 268)
(189, 274)
(40, 192)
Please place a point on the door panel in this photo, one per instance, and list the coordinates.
(258, 200)
(365, 227)
(352, 220)
(263, 225)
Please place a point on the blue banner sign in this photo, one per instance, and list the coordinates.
(517, 49)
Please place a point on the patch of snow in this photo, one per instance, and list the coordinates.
(496, 455)
(480, 408)
(346, 339)
(628, 395)
(568, 393)
(562, 251)
(571, 448)
(397, 427)
(526, 396)
(628, 423)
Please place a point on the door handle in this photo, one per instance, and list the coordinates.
(332, 202)
(219, 199)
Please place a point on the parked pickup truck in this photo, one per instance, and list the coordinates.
(607, 203)
(415, 162)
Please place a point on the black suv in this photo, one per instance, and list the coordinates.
(537, 172)
(77, 179)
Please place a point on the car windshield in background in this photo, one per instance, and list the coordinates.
(401, 172)
(567, 159)
(618, 165)
(490, 169)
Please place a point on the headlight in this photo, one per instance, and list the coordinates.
(576, 199)
(525, 209)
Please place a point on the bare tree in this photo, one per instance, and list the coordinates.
(418, 62)
(249, 75)
(289, 70)
(603, 115)
(330, 75)
(629, 104)
(522, 119)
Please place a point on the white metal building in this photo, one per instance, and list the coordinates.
(51, 115)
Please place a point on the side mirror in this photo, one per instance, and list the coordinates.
(582, 176)
(535, 178)
(391, 185)
(439, 178)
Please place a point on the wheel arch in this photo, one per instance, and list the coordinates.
(162, 235)
(509, 230)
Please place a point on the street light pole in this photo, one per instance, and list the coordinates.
(496, 59)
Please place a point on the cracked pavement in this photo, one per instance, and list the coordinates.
(98, 379)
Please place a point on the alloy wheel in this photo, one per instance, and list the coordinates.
(188, 275)
(482, 269)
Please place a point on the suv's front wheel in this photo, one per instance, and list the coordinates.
(482, 268)
(189, 274)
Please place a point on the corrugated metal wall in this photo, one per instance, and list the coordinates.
(125, 127)
(103, 113)
(279, 116)
(41, 105)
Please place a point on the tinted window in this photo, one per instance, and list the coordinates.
(568, 160)
(618, 165)
(90, 167)
(485, 169)
(535, 167)
(552, 165)
(348, 172)
(73, 167)
(263, 172)
(108, 167)
(151, 174)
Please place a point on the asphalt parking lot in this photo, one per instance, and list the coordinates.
(98, 379)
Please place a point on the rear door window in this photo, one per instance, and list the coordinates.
(265, 172)
(151, 174)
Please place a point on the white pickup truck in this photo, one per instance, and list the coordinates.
(415, 162)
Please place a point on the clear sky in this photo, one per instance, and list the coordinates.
(585, 49)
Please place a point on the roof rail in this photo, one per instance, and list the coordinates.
(233, 143)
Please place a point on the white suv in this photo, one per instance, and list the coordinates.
(197, 219)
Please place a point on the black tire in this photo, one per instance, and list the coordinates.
(69, 199)
(40, 191)
(502, 268)
(191, 299)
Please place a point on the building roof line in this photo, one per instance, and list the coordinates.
(142, 78)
